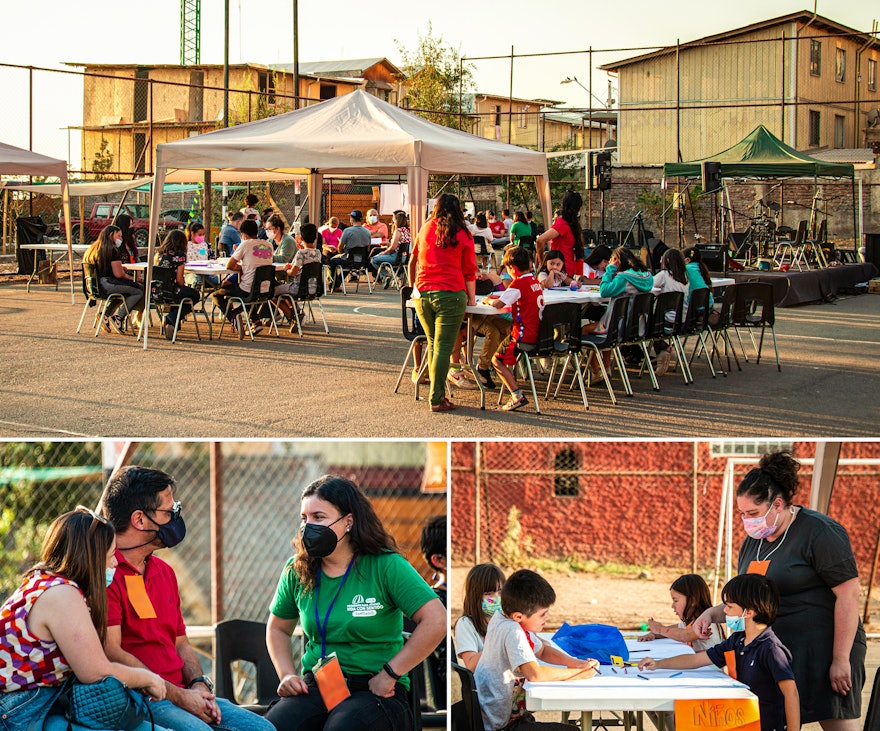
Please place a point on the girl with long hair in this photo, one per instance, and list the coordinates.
(53, 625)
(482, 598)
(105, 255)
(443, 267)
(690, 598)
(351, 588)
(672, 277)
(697, 271)
(388, 254)
(172, 255)
(566, 234)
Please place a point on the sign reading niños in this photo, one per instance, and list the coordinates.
(726, 714)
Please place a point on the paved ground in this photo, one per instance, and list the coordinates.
(340, 385)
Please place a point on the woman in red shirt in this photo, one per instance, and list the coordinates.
(444, 268)
(566, 235)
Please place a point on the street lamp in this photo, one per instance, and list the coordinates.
(569, 79)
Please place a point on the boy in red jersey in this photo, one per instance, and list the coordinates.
(525, 296)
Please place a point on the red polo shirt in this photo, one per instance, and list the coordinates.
(152, 641)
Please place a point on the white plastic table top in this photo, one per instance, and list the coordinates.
(77, 248)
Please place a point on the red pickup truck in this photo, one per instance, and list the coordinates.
(102, 215)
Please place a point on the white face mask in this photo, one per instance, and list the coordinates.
(374, 219)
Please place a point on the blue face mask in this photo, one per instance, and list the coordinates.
(736, 624)
(109, 573)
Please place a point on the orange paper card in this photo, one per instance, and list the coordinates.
(758, 567)
(331, 682)
(725, 714)
(137, 595)
(730, 661)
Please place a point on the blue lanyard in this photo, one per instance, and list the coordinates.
(322, 628)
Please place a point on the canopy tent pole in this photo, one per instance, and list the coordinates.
(155, 207)
(65, 207)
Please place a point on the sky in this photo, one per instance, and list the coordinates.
(48, 33)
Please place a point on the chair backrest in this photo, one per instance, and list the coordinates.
(466, 714)
(822, 233)
(91, 286)
(560, 329)
(480, 245)
(311, 281)
(263, 284)
(412, 328)
(609, 238)
(357, 255)
(698, 310)
(589, 237)
(527, 242)
(725, 317)
(801, 235)
(753, 304)
(638, 323)
(163, 285)
(667, 315)
(241, 639)
(617, 321)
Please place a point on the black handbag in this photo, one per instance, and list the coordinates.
(107, 704)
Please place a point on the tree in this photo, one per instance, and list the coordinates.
(434, 76)
(103, 161)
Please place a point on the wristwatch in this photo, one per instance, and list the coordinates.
(202, 679)
(387, 668)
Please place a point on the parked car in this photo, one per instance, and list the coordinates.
(102, 214)
(180, 214)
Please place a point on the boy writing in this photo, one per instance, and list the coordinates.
(511, 652)
(753, 653)
(525, 296)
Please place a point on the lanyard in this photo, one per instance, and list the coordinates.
(322, 628)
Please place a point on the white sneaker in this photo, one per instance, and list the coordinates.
(663, 358)
(458, 379)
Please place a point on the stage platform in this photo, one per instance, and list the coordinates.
(799, 288)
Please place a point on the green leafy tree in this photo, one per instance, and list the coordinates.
(434, 76)
(103, 161)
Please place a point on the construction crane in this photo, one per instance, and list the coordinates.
(190, 32)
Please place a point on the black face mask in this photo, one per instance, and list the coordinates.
(319, 540)
(172, 532)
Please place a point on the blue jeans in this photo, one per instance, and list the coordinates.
(233, 718)
(441, 314)
(383, 259)
(57, 722)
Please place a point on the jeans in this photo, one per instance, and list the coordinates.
(233, 718)
(441, 314)
(362, 710)
(183, 292)
(57, 722)
(132, 291)
(382, 259)
(222, 295)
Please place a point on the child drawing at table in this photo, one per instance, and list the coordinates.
(753, 654)
(482, 598)
(511, 652)
(552, 272)
(526, 300)
(690, 598)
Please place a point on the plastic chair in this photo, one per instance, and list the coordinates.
(311, 289)
(527, 242)
(752, 308)
(638, 325)
(262, 289)
(414, 333)
(357, 262)
(794, 249)
(697, 323)
(466, 715)
(95, 295)
(162, 295)
(609, 340)
(398, 270)
(243, 640)
(666, 322)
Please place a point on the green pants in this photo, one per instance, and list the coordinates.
(441, 314)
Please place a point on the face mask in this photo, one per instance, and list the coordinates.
(374, 219)
(199, 239)
(319, 540)
(491, 604)
(109, 573)
(736, 624)
(172, 532)
(758, 527)
(118, 242)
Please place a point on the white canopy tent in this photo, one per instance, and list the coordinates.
(17, 161)
(354, 134)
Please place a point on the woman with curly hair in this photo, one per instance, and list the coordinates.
(443, 266)
(350, 587)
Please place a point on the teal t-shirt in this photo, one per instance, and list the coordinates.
(366, 624)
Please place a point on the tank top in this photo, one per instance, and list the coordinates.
(33, 662)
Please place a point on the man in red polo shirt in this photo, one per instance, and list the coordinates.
(145, 625)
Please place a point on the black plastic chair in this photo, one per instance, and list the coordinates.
(638, 325)
(163, 287)
(666, 321)
(311, 289)
(414, 333)
(609, 340)
(696, 323)
(241, 640)
(753, 308)
(398, 270)
(608, 238)
(95, 296)
(527, 242)
(262, 291)
(466, 715)
(357, 262)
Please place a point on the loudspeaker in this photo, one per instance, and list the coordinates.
(872, 249)
(713, 256)
(600, 171)
(711, 177)
(657, 249)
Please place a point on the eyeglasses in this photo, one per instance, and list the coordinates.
(175, 510)
(89, 511)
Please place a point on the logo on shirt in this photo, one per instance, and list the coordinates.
(360, 607)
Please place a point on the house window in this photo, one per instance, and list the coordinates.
(566, 485)
(872, 75)
(266, 85)
(816, 58)
(328, 91)
(140, 143)
(840, 65)
(497, 115)
(140, 109)
(815, 121)
(747, 449)
(839, 131)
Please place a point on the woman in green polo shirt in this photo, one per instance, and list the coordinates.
(349, 587)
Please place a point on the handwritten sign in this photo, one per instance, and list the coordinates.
(724, 714)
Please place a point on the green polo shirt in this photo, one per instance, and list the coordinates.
(365, 626)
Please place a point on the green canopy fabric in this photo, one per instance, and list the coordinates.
(762, 155)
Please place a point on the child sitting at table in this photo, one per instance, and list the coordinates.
(482, 598)
(308, 255)
(526, 300)
(690, 598)
(753, 654)
(552, 271)
(511, 652)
